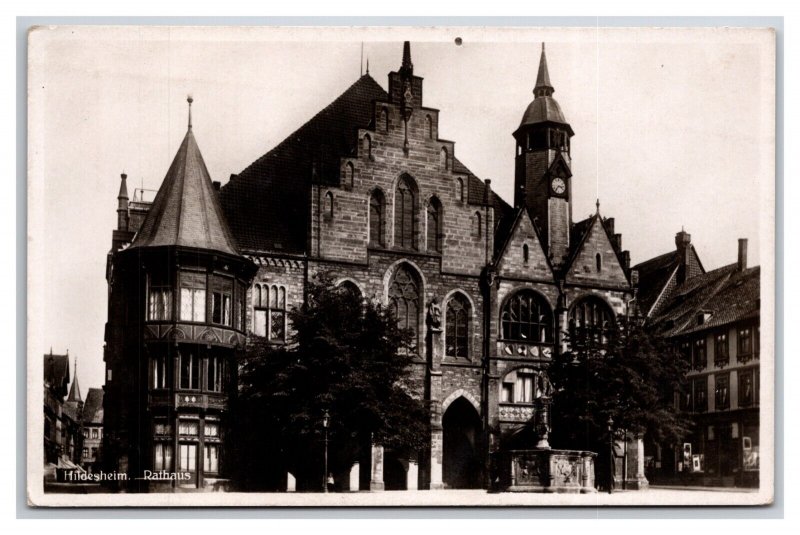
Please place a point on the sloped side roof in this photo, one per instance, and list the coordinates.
(186, 210)
(654, 275)
(266, 204)
(725, 295)
(93, 408)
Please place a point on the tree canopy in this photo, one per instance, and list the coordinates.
(625, 373)
(346, 357)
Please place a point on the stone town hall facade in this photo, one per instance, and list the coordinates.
(367, 191)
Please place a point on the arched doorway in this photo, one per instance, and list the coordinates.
(462, 464)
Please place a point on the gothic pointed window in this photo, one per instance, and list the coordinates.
(457, 327)
(429, 127)
(477, 225)
(590, 318)
(459, 190)
(527, 317)
(404, 300)
(384, 119)
(349, 175)
(443, 159)
(367, 147)
(434, 225)
(525, 253)
(328, 205)
(405, 214)
(376, 209)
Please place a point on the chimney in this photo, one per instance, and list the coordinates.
(742, 264)
(618, 240)
(217, 184)
(683, 243)
(122, 204)
(626, 259)
(610, 224)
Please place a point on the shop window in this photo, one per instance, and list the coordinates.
(162, 456)
(211, 459)
(193, 296)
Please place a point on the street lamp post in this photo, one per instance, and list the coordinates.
(326, 419)
(611, 467)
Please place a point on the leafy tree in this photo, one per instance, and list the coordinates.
(347, 357)
(628, 374)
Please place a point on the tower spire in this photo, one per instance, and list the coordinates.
(407, 67)
(543, 87)
(189, 99)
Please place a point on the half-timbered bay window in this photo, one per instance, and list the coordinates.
(520, 386)
(221, 297)
(190, 371)
(160, 372)
(721, 357)
(159, 297)
(269, 312)
(193, 296)
(526, 317)
(457, 327)
(215, 374)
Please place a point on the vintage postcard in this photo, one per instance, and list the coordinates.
(400, 266)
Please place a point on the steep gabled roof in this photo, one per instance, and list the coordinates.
(93, 408)
(654, 276)
(56, 371)
(267, 203)
(723, 296)
(186, 211)
(581, 230)
(75, 390)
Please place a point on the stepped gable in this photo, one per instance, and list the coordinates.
(267, 203)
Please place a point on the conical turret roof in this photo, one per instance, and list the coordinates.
(544, 107)
(186, 211)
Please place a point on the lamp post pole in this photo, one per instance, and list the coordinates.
(611, 467)
(325, 422)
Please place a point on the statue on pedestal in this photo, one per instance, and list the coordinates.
(435, 314)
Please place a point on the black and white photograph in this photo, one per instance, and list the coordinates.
(400, 266)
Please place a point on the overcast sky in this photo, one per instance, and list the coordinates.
(672, 129)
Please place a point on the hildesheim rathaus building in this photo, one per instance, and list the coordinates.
(368, 192)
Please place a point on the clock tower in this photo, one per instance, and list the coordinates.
(542, 172)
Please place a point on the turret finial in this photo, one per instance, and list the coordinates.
(189, 99)
(407, 67)
(597, 204)
(543, 86)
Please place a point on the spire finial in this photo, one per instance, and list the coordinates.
(189, 99)
(367, 64)
(407, 67)
(597, 204)
(543, 87)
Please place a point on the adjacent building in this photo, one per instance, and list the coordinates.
(92, 430)
(62, 417)
(713, 317)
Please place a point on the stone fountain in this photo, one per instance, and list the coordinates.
(541, 468)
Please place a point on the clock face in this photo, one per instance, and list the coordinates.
(558, 185)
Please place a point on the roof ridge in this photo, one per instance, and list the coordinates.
(365, 78)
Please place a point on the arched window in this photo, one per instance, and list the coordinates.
(429, 127)
(527, 317)
(459, 190)
(590, 316)
(376, 209)
(405, 214)
(349, 174)
(457, 327)
(329, 205)
(477, 227)
(384, 119)
(404, 300)
(598, 260)
(525, 253)
(435, 225)
(367, 147)
(443, 158)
